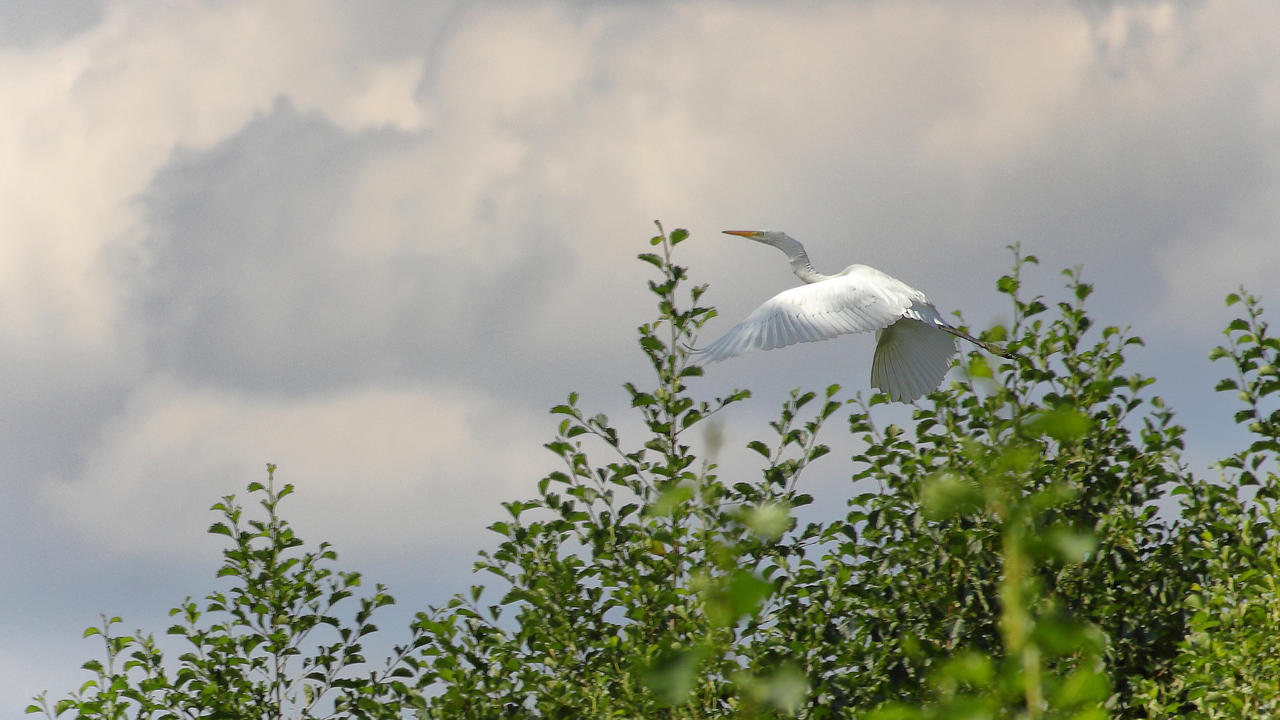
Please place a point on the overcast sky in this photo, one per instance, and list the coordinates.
(373, 242)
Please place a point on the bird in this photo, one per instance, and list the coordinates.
(914, 345)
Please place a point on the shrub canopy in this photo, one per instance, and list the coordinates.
(1010, 561)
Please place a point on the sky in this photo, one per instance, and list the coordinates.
(374, 242)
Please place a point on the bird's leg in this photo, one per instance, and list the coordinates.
(990, 347)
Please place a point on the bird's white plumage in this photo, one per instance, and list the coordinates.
(860, 299)
(911, 359)
(914, 345)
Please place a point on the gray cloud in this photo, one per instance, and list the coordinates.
(50, 408)
(27, 23)
(249, 277)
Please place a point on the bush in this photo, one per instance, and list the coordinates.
(246, 657)
(1010, 562)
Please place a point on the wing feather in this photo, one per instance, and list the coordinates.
(856, 301)
(903, 383)
(911, 359)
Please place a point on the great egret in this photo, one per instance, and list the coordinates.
(914, 344)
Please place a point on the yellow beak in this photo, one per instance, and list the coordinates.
(743, 233)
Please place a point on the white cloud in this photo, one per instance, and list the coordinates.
(512, 67)
(390, 469)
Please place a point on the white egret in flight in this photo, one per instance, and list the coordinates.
(914, 345)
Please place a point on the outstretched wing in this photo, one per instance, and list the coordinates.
(911, 359)
(859, 300)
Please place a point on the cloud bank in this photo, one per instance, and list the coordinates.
(372, 243)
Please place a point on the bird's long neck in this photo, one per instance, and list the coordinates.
(800, 264)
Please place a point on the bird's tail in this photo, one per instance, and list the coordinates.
(990, 347)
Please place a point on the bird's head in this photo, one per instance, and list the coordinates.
(769, 237)
(780, 240)
(789, 246)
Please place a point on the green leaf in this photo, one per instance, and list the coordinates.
(978, 367)
(1084, 685)
(730, 599)
(946, 494)
(652, 344)
(768, 521)
(1072, 546)
(1062, 424)
(671, 677)
(784, 689)
(668, 502)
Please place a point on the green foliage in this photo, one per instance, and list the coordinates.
(632, 582)
(1229, 664)
(247, 656)
(1051, 663)
(1048, 475)
(1000, 557)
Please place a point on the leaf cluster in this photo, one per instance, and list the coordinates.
(274, 645)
